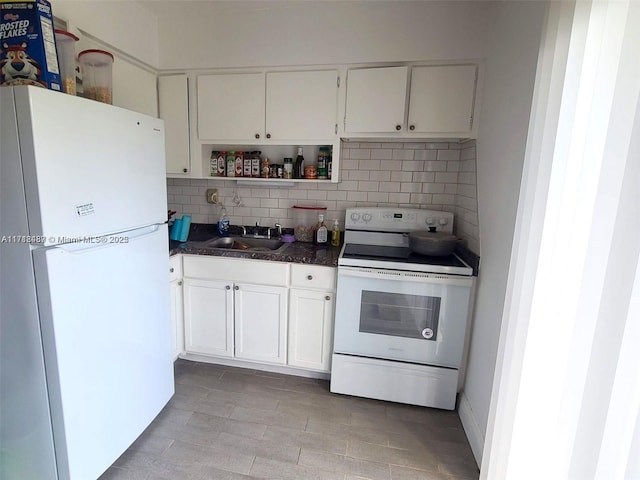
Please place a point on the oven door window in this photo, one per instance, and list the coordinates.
(399, 315)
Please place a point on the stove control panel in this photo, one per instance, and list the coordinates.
(384, 219)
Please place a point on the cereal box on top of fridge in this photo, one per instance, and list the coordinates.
(27, 45)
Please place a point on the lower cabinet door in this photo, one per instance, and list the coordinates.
(208, 317)
(311, 329)
(261, 323)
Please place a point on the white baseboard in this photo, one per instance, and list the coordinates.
(471, 428)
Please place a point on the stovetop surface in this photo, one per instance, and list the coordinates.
(404, 255)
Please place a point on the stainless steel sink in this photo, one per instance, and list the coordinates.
(245, 243)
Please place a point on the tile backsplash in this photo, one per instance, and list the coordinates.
(437, 176)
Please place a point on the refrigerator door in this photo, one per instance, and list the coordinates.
(89, 168)
(104, 314)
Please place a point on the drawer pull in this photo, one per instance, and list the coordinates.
(228, 287)
(327, 297)
(236, 287)
(309, 277)
(171, 270)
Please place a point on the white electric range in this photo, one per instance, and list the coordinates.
(401, 318)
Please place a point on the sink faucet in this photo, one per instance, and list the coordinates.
(257, 232)
(278, 227)
(244, 230)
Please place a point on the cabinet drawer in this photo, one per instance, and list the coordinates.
(310, 276)
(238, 270)
(175, 267)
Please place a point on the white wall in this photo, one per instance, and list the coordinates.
(123, 25)
(506, 105)
(303, 33)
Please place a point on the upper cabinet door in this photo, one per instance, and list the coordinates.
(231, 106)
(301, 105)
(376, 99)
(173, 102)
(442, 98)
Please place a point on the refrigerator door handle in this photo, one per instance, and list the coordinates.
(77, 244)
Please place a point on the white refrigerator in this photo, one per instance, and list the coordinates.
(85, 347)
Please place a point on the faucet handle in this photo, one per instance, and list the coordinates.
(279, 227)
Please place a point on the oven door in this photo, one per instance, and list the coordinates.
(398, 315)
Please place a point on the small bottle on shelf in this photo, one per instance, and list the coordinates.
(335, 234)
(298, 170)
(266, 166)
(321, 233)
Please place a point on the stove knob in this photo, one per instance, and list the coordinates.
(443, 221)
(355, 217)
(427, 333)
(367, 217)
(430, 221)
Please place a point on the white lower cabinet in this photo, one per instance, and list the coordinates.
(228, 314)
(177, 319)
(311, 311)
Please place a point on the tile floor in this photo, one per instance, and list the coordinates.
(228, 423)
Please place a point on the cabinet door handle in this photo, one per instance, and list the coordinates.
(257, 135)
(185, 170)
(327, 297)
(412, 127)
(398, 127)
(268, 135)
(236, 287)
(228, 287)
(180, 283)
(309, 277)
(171, 270)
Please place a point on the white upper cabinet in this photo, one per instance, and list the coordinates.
(442, 98)
(273, 106)
(439, 100)
(301, 105)
(376, 99)
(231, 106)
(173, 103)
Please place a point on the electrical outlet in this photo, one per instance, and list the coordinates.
(212, 195)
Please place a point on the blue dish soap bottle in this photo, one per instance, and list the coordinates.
(223, 223)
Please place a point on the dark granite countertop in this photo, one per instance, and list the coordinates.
(296, 252)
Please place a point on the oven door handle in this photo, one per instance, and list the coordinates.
(405, 276)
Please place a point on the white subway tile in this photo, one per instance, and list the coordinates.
(432, 188)
(391, 165)
(424, 177)
(400, 198)
(241, 211)
(182, 199)
(453, 166)
(391, 145)
(317, 195)
(437, 146)
(260, 212)
(368, 186)
(370, 145)
(412, 166)
(411, 187)
(278, 213)
(468, 165)
(380, 175)
(446, 177)
(425, 155)
(378, 197)
(328, 186)
(360, 154)
(444, 199)
(455, 146)
(468, 178)
(337, 195)
(468, 153)
(354, 196)
(466, 190)
(183, 182)
(451, 188)
(170, 200)
(403, 154)
(269, 202)
(413, 146)
(400, 176)
(359, 175)
(435, 166)
(350, 145)
(174, 190)
(448, 154)
(421, 198)
(349, 164)
(369, 165)
(298, 194)
(349, 185)
(382, 154)
(191, 209)
(389, 187)
(345, 153)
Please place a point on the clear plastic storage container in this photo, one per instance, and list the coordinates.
(305, 219)
(97, 77)
(66, 46)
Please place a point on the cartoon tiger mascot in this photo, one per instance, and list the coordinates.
(17, 64)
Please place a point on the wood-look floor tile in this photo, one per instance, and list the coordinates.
(424, 460)
(311, 441)
(228, 425)
(273, 470)
(266, 417)
(344, 464)
(348, 432)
